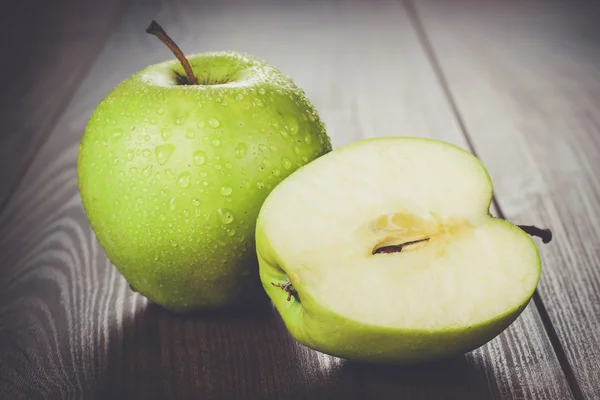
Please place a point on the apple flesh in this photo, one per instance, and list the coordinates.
(172, 175)
(388, 253)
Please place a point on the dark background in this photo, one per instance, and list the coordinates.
(516, 82)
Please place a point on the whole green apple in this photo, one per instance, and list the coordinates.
(172, 175)
(401, 261)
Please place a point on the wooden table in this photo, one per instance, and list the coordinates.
(516, 82)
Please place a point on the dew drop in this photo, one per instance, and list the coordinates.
(307, 138)
(273, 148)
(200, 124)
(178, 121)
(199, 157)
(147, 138)
(276, 172)
(266, 162)
(213, 123)
(196, 202)
(161, 111)
(170, 174)
(147, 171)
(240, 150)
(286, 163)
(257, 103)
(163, 192)
(163, 217)
(163, 152)
(231, 232)
(146, 153)
(225, 215)
(296, 149)
(262, 147)
(261, 91)
(226, 190)
(165, 134)
(118, 133)
(239, 96)
(133, 170)
(218, 166)
(216, 142)
(184, 180)
(291, 124)
(190, 134)
(228, 165)
(130, 155)
(172, 204)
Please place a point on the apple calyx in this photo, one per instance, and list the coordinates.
(544, 234)
(288, 288)
(397, 248)
(157, 30)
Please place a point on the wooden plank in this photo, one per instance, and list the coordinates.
(47, 50)
(526, 81)
(71, 326)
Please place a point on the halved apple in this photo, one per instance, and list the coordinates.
(384, 250)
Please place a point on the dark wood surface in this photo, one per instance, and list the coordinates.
(71, 328)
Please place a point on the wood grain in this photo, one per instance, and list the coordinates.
(47, 50)
(526, 81)
(71, 328)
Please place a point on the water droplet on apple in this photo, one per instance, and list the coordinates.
(296, 149)
(146, 153)
(199, 157)
(239, 96)
(213, 123)
(273, 148)
(266, 162)
(260, 185)
(261, 91)
(231, 232)
(228, 165)
(133, 170)
(147, 171)
(184, 180)
(118, 133)
(163, 192)
(240, 150)
(178, 121)
(257, 103)
(225, 215)
(163, 152)
(286, 163)
(200, 124)
(196, 202)
(226, 190)
(262, 147)
(165, 134)
(216, 142)
(173, 204)
(218, 166)
(174, 243)
(161, 111)
(190, 134)
(130, 155)
(307, 138)
(291, 124)
(276, 172)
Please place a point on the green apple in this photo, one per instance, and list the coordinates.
(385, 251)
(172, 175)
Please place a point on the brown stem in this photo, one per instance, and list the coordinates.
(156, 30)
(397, 248)
(544, 234)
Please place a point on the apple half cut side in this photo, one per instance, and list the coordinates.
(385, 251)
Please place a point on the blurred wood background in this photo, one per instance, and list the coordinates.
(515, 82)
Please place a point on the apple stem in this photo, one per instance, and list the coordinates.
(288, 288)
(157, 30)
(397, 248)
(544, 234)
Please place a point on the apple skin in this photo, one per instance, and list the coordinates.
(172, 176)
